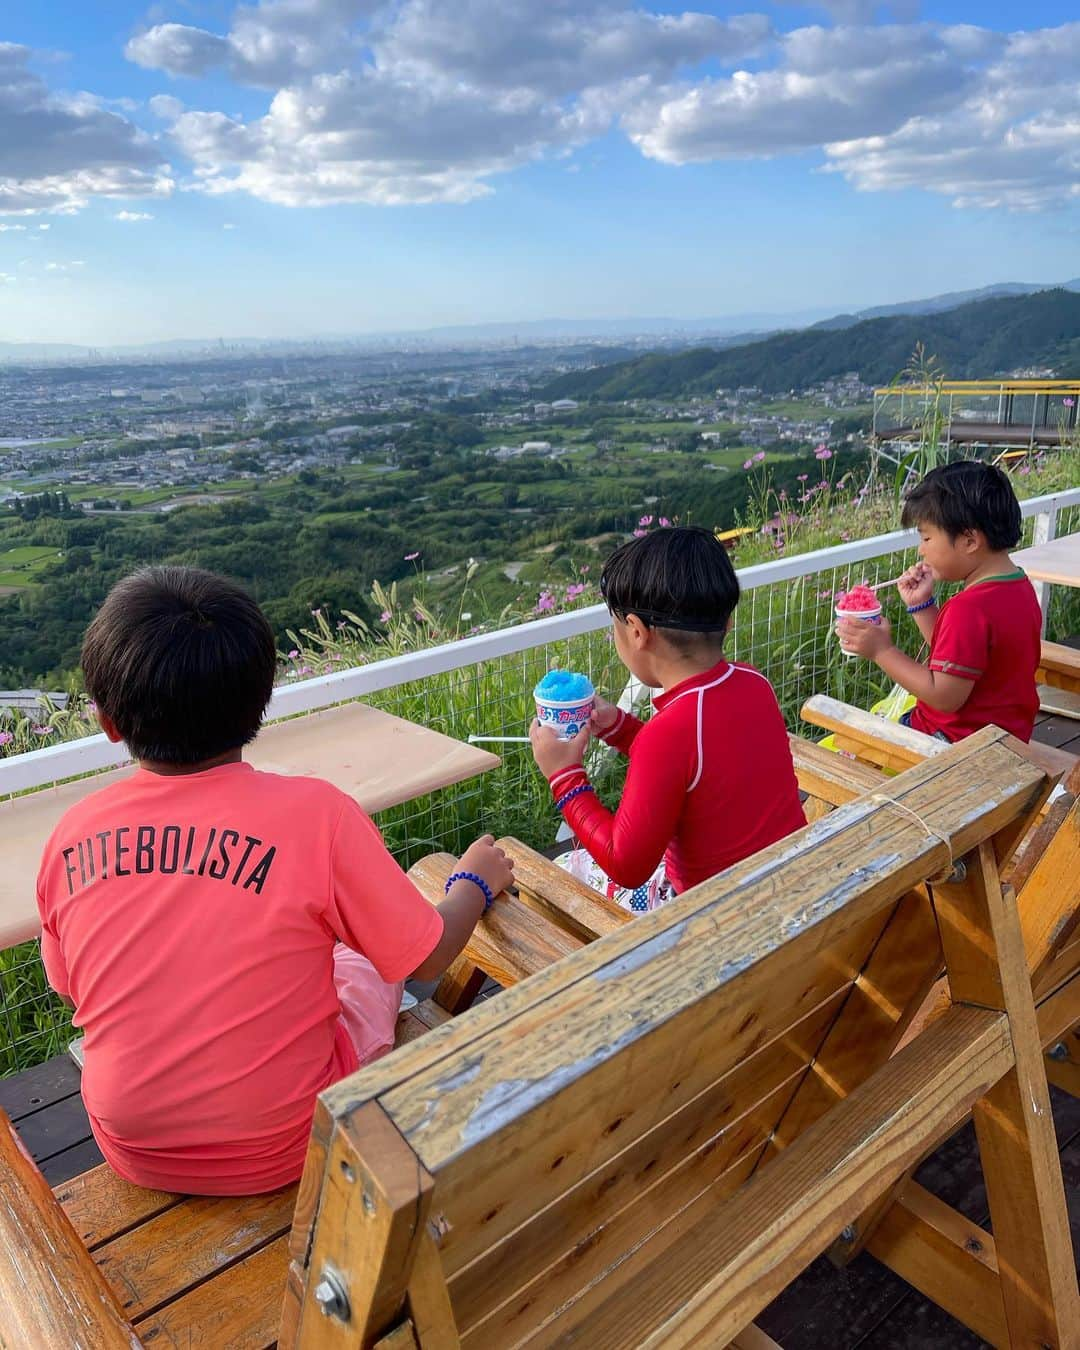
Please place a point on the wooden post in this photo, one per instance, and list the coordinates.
(371, 1215)
(986, 966)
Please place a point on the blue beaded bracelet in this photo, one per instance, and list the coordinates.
(560, 802)
(489, 898)
(915, 609)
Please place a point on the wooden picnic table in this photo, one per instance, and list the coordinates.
(1057, 562)
(378, 759)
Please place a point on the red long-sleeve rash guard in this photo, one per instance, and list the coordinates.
(710, 781)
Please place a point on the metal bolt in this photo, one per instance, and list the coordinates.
(332, 1296)
(847, 1234)
(1059, 1051)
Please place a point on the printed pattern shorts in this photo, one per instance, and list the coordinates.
(654, 893)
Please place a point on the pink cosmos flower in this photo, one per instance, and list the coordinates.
(646, 521)
(748, 463)
(384, 617)
(91, 706)
(584, 569)
(1068, 402)
(823, 452)
(293, 654)
(803, 477)
(6, 737)
(664, 522)
(545, 603)
(759, 458)
(43, 731)
(412, 557)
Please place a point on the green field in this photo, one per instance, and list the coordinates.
(21, 566)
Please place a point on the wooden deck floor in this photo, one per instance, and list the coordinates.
(864, 1306)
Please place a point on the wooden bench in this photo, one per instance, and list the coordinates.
(645, 1141)
(1058, 678)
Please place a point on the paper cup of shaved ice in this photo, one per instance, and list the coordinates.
(564, 702)
(858, 603)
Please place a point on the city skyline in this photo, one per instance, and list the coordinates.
(296, 168)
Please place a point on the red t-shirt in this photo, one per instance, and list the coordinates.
(991, 634)
(710, 781)
(192, 922)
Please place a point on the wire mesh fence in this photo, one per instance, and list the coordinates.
(784, 628)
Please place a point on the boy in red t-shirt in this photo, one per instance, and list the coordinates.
(710, 778)
(985, 642)
(232, 941)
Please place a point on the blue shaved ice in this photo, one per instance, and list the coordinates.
(564, 686)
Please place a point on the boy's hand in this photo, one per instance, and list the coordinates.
(552, 753)
(489, 862)
(865, 639)
(604, 717)
(916, 586)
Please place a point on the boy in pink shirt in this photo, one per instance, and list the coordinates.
(232, 941)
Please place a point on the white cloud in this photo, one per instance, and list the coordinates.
(984, 118)
(412, 101)
(5, 229)
(165, 106)
(5, 277)
(269, 44)
(57, 151)
(64, 267)
(228, 225)
(132, 216)
(436, 98)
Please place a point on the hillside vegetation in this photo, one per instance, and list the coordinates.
(971, 341)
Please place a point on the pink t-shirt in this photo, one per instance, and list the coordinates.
(192, 922)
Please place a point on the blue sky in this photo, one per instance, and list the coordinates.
(197, 168)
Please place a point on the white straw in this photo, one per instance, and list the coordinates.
(517, 740)
(878, 584)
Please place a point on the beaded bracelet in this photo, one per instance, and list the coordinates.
(915, 609)
(560, 802)
(489, 898)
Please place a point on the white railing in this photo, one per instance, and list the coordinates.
(38, 768)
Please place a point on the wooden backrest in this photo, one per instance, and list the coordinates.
(652, 1136)
(1059, 667)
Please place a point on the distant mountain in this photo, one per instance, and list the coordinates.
(980, 340)
(938, 303)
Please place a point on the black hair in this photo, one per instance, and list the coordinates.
(677, 579)
(182, 661)
(966, 495)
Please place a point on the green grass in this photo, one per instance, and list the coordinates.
(22, 566)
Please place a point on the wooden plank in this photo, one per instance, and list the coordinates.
(71, 1162)
(1060, 702)
(560, 897)
(1063, 1069)
(305, 1212)
(723, 1269)
(419, 1021)
(102, 1205)
(25, 1093)
(829, 777)
(985, 964)
(950, 1259)
(1059, 667)
(1049, 904)
(860, 836)
(566, 1136)
(237, 1309)
(372, 1212)
(664, 1167)
(870, 736)
(460, 986)
(45, 1133)
(51, 1293)
(898, 974)
(511, 941)
(526, 1319)
(428, 1300)
(753, 1338)
(188, 1243)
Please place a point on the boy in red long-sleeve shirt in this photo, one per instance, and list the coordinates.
(710, 779)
